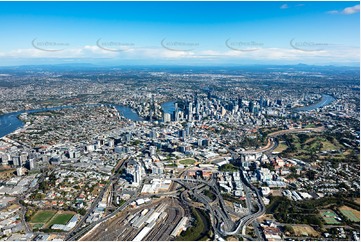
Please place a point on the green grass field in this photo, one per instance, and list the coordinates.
(42, 216)
(329, 217)
(61, 219)
(352, 214)
(281, 147)
(327, 145)
(187, 162)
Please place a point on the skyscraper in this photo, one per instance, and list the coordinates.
(166, 117)
(251, 106)
(190, 111)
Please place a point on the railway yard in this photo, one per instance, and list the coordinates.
(156, 221)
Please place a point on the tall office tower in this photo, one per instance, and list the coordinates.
(151, 115)
(190, 111)
(223, 111)
(31, 164)
(235, 108)
(209, 95)
(137, 175)
(166, 117)
(240, 104)
(175, 116)
(198, 108)
(16, 160)
(23, 158)
(188, 129)
(251, 106)
(152, 150)
(182, 134)
(261, 102)
(19, 171)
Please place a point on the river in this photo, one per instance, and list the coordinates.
(325, 100)
(10, 122)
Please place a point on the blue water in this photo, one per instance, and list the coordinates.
(128, 113)
(9, 122)
(325, 100)
(168, 107)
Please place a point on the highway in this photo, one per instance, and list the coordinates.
(251, 217)
(218, 212)
(271, 139)
(248, 219)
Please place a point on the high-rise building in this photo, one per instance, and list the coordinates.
(261, 102)
(190, 111)
(4, 158)
(182, 134)
(16, 161)
(19, 171)
(251, 106)
(166, 118)
(188, 129)
(31, 164)
(23, 157)
(152, 150)
(137, 175)
(223, 111)
(240, 102)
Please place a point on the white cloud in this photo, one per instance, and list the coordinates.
(346, 11)
(82, 52)
(154, 54)
(352, 10)
(284, 6)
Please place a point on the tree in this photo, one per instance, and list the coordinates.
(289, 229)
(311, 175)
(82, 211)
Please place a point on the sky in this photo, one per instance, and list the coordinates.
(180, 33)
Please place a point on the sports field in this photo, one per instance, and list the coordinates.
(42, 216)
(187, 162)
(47, 218)
(61, 218)
(329, 216)
(352, 214)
